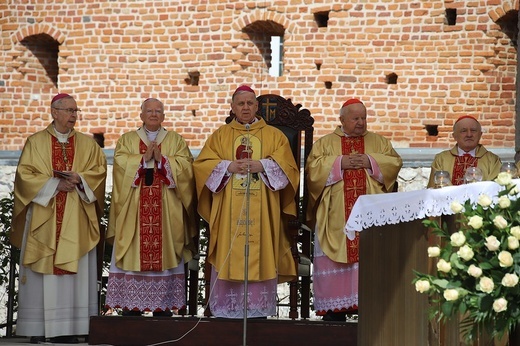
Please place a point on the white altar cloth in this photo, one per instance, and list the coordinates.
(393, 208)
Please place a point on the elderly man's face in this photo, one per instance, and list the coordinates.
(64, 113)
(467, 133)
(244, 106)
(152, 114)
(354, 119)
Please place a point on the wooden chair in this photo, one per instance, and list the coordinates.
(297, 125)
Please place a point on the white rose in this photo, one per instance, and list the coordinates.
(475, 221)
(515, 231)
(505, 259)
(510, 280)
(504, 202)
(492, 243)
(458, 239)
(513, 191)
(443, 266)
(474, 271)
(486, 284)
(504, 179)
(456, 207)
(465, 252)
(500, 222)
(434, 251)
(422, 286)
(484, 200)
(512, 243)
(500, 305)
(451, 294)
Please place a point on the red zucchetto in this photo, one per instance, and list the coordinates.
(59, 97)
(351, 102)
(467, 117)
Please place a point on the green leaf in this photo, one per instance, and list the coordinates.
(447, 308)
(442, 283)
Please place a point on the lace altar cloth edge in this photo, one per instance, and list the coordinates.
(393, 208)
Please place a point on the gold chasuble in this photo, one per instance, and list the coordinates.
(152, 226)
(450, 161)
(329, 206)
(264, 211)
(66, 229)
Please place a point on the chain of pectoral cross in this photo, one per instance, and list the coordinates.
(64, 153)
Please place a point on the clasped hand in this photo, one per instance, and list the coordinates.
(69, 183)
(355, 161)
(154, 152)
(241, 166)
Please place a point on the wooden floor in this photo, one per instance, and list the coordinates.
(195, 331)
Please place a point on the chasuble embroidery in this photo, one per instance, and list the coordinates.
(245, 208)
(62, 159)
(150, 221)
(354, 185)
(462, 163)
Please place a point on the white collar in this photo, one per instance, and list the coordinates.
(62, 137)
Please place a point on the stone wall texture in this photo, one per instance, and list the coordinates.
(403, 58)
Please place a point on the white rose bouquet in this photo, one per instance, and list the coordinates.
(478, 266)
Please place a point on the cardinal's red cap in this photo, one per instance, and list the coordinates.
(467, 117)
(351, 102)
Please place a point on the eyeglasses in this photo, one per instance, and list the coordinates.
(70, 110)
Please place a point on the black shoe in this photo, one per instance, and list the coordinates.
(164, 313)
(132, 313)
(37, 339)
(65, 339)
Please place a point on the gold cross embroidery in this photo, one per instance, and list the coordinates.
(352, 246)
(150, 262)
(355, 188)
(153, 186)
(150, 224)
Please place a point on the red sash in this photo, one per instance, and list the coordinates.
(355, 185)
(150, 221)
(62, 159)
(461, 165)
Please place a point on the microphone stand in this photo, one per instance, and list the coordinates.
(246, 246)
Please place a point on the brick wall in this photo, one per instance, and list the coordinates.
(113, 54)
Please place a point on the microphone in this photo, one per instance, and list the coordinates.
(246, 246)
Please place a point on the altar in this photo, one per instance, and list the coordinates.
(393, 243)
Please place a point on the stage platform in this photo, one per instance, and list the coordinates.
(195, 331)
